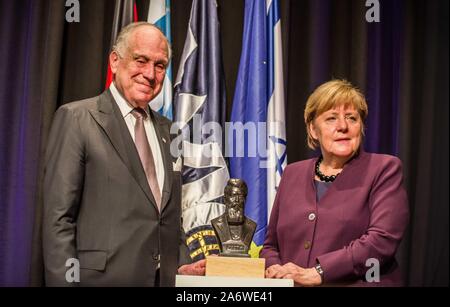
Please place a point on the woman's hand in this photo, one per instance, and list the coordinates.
(276, 271)
(303, 277)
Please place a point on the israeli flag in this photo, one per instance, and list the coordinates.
(159, 15)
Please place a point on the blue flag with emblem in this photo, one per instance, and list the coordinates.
(199, 111)
(259, 154)
(159, 15)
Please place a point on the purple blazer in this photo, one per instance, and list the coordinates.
(363, 215)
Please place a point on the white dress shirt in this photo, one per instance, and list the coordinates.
(125, 109)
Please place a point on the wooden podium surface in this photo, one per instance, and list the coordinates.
(235, 267)
(232, 272)
(222, 281)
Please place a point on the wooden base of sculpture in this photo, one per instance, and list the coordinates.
(235, 266)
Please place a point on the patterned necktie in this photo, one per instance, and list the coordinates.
(145, 153)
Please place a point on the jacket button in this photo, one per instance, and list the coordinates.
(307, 244)
(312, 217)
(156, 257)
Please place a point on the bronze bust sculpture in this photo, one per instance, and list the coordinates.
(234, 231)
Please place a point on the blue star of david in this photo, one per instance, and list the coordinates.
(279, 160)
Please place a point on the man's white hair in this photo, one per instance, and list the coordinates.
(122, 42)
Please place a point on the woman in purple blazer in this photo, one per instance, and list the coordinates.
(338, 219)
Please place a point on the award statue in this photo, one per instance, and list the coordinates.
(233, 267)
(234, 232)
(233, 229)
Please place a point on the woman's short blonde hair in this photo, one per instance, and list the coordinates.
(330, 95)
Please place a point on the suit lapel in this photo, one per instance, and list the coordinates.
(310, 193)
(111, 120)
(347, 177)
(162, 133)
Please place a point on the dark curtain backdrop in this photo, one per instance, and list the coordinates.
(31, 35)
(401, 64)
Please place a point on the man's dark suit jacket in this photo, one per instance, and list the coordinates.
(98, 207)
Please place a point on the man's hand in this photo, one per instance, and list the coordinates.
(196, 268)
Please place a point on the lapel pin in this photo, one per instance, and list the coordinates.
(164, 140)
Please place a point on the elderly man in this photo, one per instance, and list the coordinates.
(111, 195)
